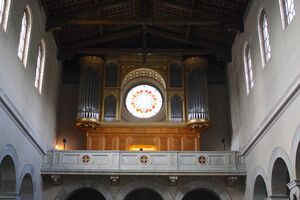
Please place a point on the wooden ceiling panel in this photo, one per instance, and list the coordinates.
(178, 24)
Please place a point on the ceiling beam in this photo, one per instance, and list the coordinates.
(215, 48)
(66, 53)
(198, 9)
(104, 39)
(55, 24)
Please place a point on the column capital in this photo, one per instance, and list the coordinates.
(195, 62)
(94, 62)
(294, 187)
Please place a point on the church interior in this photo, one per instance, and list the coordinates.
(149, 100)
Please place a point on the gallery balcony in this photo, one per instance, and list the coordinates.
(181, 163)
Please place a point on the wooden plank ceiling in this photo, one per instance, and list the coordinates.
(186, 27)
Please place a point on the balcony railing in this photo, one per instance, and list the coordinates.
(143, 163)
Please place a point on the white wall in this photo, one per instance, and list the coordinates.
(27, 118)
(17, 82)
(267, 118)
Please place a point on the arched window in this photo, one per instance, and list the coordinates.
(287, 11)
(110, 107)
(39, 73)
(264, 37)
(4, 11)
(248, 69)
(176, 109)
(25, 35)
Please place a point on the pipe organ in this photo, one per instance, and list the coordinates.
(127, 104)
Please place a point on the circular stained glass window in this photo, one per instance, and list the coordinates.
(143, 101)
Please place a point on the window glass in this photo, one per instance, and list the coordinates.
(289, 11)
(248, 69)
(143, 101)
(39, 74)
(266, 46)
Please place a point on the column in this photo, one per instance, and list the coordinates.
(196, 93)
(89, 92)
(294, 187)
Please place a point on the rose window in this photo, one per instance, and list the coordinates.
(143, 101)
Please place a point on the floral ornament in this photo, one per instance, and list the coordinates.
(143, 101)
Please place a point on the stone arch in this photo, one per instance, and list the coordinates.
(260, 189)
(202, 185)
(143, 193)
(279, 161)
(295, 155)
(8, 169)
(26, 185)
(86, 193)
(252, 178)
(85, 183)
(146, 184)
(280, 178)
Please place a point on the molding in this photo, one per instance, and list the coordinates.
(287, 98)
(19, 120)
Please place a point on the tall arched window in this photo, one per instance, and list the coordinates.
(40, 63)
(4, 11)
(264, 37)
(287, 11)
(25, 35)
(248, 68)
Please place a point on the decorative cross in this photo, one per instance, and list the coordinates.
(144, 159)
(85, 159)
(202, 160)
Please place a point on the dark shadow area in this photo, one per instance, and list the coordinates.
(200, 194)
(86, 194)
(143, 194)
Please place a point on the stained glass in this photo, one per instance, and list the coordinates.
(143, 101)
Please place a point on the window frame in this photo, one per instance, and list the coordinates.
(5, 13)
(40, 66)
(25, 35)
(264, 37)
(248, 67)
(288, 12)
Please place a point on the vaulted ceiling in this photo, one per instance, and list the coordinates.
(185, 27)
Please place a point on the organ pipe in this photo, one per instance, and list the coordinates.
(89, 91)
(197, 97)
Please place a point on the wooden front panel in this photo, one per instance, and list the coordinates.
(145, 138)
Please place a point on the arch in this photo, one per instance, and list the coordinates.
(260, 189)
(280, 178)
(7, 175)
(25, 34)
(84, 184)
(9, 152)
(279, 152)
(264, 37)
(258, 171)
(295, 154)
(40, 65)
(204, 194)
(176, 74)
(27, 183)
(110, 108)
(205, 185)
(176, 109)
(86, 193)
(4, 12)
(111, 73)
(143, 73)
(26, 189)
(143, 193)
(148, 184)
